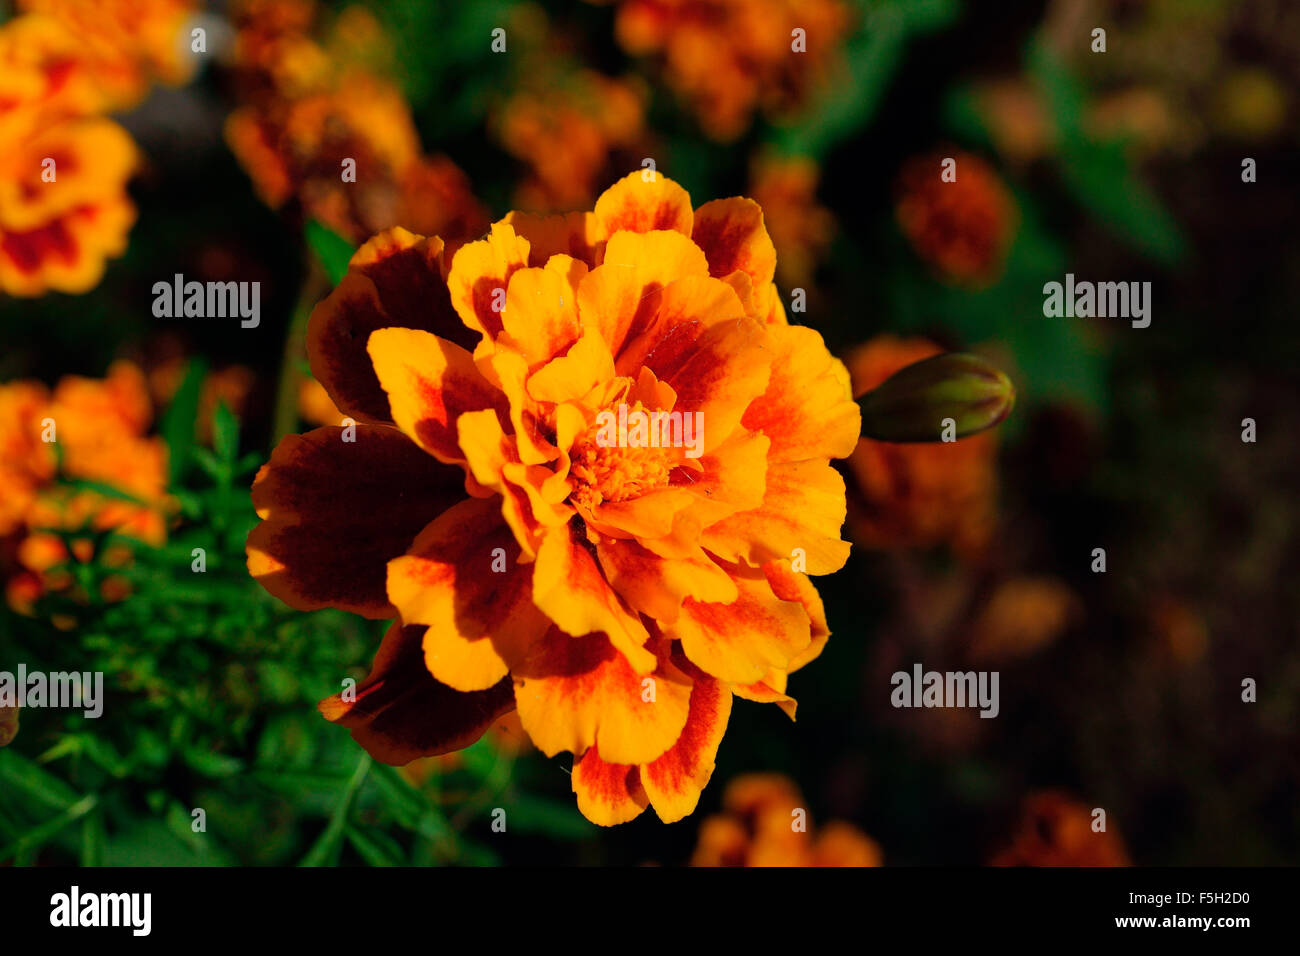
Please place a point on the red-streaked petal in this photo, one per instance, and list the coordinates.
(462, 577)
(644, 201)
(569, 586)
(394, 280)
(335, 512)
(674, 781)
(732, 235)
(608, 793)
(802, 512)
(808, 409)
(657, 586)
(430, 383)
(576, 692)
(480, 275)
(742, 641)
(401, 713)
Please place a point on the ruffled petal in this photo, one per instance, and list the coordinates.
(644, 201)
(394, 280)
(576, 692)
(541, 316)
(430, 383)
(742, 641)
(570, 588)
(334, 513)
(802, 512)
(657, 586)
(401, 713)
(463, 578)
(608, 793)
(674, 781)
(620, 297)
(480, 275)
(732, 235)
(726, 370)
(807, 410)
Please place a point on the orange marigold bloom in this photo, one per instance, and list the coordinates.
(566, 132)
(786, 188)
(730, 58)
(100, 427)
(1056, 830)
(311, 108)
(765, 823)
(918, 495)
(617, 594)
(63, 203)
(127, 43)
(962, 228)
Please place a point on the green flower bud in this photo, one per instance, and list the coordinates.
(938, 399)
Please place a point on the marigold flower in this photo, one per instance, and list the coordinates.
(1056, 830)
(617, 595)
(311, 108)
(765, 823)
(128, 43)
(731, 58)
(918, 495)
(60, 222)
(567, 132)
(100, 427)
(961, 228)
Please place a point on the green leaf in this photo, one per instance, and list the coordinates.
(325, 851)
(225, 433)
(177, 427)
(330, 249)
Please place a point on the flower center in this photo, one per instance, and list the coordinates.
(619, 457)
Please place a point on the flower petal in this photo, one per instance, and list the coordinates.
(335, 512)
(643, 201)
(576, 692)
(674, 781)
(608, 793)
(803, 509)
(570, 588)
(480, 275)
(462, 577)
(657, 586)
(732, 235)
(742, 641)
(394, 280)
(430, 383)
(807, 410)
(726, 370)
(541, 316)
(620, 296)
(401, 713)
(678, 315)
